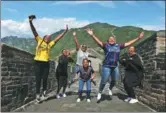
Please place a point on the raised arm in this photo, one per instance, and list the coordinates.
(134, 40)
(76, 41)
(33, 28)
(90, 32)
(56, 39)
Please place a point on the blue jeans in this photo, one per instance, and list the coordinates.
(81, 86)
(107, 74)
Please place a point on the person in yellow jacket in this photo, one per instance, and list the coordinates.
(42, 58)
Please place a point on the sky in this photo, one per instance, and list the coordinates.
(52, 16)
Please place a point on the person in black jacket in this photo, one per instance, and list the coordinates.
(61, 71)
(133, 73)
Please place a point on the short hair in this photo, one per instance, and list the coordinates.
(85, 59)
(83, 45)
(133, 47)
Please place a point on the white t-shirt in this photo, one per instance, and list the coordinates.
(80, 56)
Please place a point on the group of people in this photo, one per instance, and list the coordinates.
(84, 72)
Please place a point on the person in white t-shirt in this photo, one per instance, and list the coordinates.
(81, 52)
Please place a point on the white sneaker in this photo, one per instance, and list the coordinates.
(43, 97)
(58, 96)
(88, 100)
(38, 98)
(127, 99)
(132, 101)
(44, 92)
(99, 96)
(78, 100)
(110, 92)
(64, 95)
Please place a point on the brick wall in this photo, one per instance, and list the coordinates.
(18, 79)
(152, 52)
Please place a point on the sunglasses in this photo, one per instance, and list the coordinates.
(84, 46)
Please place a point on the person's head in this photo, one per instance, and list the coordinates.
(65, 52)
(131, 50)
(111, 40)
(85, 63)
(46, 38)
(84, 48)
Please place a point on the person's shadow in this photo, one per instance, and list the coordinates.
(105, 97)
(54, 96)
(121, 96)
(69, 93)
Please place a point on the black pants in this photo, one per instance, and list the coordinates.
(41, 72)
(129, 90)
(62, 82)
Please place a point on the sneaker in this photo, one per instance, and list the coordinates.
(99, 96)
(44, 93)
(110, 92)
(88, 100)
(64, 95)
(58, 96)
(38, 98)
(78, 100)
(42, 97)
(132, 101)
(127, 99)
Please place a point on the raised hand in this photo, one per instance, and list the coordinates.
(141, 35)
(89, 31)
(31, 17)
(74, 33)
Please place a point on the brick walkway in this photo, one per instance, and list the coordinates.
(69, 103)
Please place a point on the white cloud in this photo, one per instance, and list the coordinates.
(43, 26)
(152, 27)
(130, 2)
(101, 3)
(11, 10)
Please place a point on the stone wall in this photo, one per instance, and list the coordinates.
(152, 52)
(18, 79)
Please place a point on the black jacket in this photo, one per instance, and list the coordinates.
(134, 70)
(62, 66)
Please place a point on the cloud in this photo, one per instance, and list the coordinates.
(109, 4)
(152, 27)
(43, 26)
(130, 2)
(11, 10)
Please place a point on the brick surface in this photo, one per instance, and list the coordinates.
(154, 81)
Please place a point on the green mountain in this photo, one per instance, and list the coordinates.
(102, 30)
